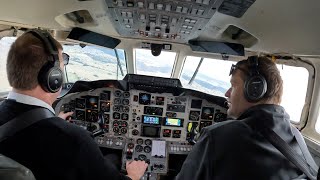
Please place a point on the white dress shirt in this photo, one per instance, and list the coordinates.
(25, 99)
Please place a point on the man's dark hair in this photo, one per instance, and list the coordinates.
(25, 59)
(269, 70)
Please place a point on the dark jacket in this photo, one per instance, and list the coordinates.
(235, 149)
(54, 149)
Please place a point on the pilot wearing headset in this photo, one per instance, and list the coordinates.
(236, 149)
(51, 148)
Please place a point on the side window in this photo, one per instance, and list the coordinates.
(295, 84)
(95, 63)
(213, 77)
(5, 44)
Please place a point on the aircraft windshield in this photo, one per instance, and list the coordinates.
(95, 63)
(160, 66)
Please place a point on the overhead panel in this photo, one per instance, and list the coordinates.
(177, 21)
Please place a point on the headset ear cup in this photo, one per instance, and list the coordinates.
(255, 88)
(50, 78)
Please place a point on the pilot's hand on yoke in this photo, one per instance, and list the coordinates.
(65, 116)
(136, 169)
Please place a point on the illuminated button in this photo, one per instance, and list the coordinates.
(187, 20)
(159, 6)
(117, 143)
(129, 14)
(174, 148)
(187, 32)
(182, 32)
(184, 10)
(128, 26)
(171, 148)
(188, 149)
(140, 4)
(184, 26)
(194, 11)
(190, 27)
(130, 4)
(174, 20)
(206, 2)
(168, 7)
(142, 16)
(151, 5)
(184, 149)
(200, 12)
(120, 4)
(179, 9)
(193, 21)
(120, 143)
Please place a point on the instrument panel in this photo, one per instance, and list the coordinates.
(145, 125)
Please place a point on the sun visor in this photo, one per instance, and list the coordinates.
(83, 35)
(217, 47)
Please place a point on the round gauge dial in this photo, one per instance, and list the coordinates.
(140, 141)
(148, 142)
(125, 101)
(123, 130)
(147, 149)
(126, 94)
(116, 129)
(117, 93)
(139, 148)
(135, 132)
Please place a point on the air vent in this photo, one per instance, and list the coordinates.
(235, 8)
(238, 35)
